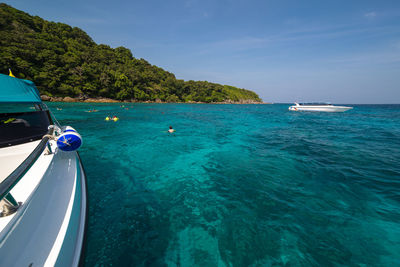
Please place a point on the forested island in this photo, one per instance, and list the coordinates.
(64, 61)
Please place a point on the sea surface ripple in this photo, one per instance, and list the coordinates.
(240, 185)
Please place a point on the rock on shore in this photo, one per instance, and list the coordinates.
(101, 100)
(77, 99)
(242, 101)
(109, 100)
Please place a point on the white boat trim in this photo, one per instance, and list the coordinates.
(83, 215)
(55, 250)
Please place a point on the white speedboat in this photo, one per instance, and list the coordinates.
(322, 107)
(43, 200)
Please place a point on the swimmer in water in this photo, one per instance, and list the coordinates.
(171, 130)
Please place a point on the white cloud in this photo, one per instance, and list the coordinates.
(86, 20)
(370, 58)
(312, 33)
(370, 15)
(190, 3)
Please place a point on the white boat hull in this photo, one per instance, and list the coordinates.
(48, 229)
(320, 108)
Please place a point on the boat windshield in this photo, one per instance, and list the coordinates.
(22, 127)
(316, 104)
(20, 107)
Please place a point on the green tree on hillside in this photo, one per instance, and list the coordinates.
(64, 61)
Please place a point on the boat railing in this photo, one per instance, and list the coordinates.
(8, 183)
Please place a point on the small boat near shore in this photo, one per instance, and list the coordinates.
(321, 107)
(43, 199)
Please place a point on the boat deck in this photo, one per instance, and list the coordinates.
(11, 157)
(48, 228)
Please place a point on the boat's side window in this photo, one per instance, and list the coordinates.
(22, 127)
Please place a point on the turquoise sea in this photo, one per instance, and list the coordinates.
(240, 185)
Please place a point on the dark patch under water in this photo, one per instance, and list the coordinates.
(240, 185)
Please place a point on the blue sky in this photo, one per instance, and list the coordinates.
(337, 51)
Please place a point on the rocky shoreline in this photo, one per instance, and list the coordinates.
(109, 100)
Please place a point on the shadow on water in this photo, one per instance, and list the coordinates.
(128, 223)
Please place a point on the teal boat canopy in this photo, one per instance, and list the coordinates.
(14, 90)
